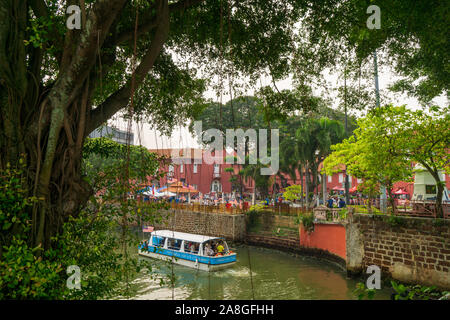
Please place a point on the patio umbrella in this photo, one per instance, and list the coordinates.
(400, 191)
(166, 194)
(338, 188)
(353, 189)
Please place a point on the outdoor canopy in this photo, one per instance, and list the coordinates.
(400, 191)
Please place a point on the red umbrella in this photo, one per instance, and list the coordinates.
(353, 189)
(338, 188)
(400, 191)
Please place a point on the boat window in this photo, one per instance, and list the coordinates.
(158, 241)
(174, 244)
(191, 247)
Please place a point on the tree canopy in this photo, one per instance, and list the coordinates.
(389, 141)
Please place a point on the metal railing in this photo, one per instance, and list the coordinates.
(404, 207)
(219, 208)
(338, 215)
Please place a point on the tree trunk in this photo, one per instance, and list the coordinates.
(47, 125)
(302, 184)
(439, 194)
(308, 183)
(391, 197)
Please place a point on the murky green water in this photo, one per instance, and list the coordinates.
(275, 275)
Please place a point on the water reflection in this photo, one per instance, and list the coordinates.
(274, 275)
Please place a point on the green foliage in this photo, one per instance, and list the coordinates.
(15, 203)
(307, 221)
(363, 292)
(395, 221)
(25, 272)
(413, 35)
(343, 213)
(253, 215)
(365, 209)
(373, 152)
(258, 207)
(387, 141)
(90, 241)
(105, 160)
(417, 292)
(292, 193)
(24, 275)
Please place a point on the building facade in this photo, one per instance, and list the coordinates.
(120, 136)
(208, 178)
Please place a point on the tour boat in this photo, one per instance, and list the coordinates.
(190, 250)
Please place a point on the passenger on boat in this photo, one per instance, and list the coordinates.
(220, 249)
(208, 250)
(214, 246)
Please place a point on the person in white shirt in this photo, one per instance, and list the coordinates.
(208, 250)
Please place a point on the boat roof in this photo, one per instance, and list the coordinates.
(183, 236)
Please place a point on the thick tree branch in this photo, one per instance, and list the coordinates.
(120, 98)
(68, 85)
(149, 20)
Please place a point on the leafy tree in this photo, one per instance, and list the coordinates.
(293, 193)
(262, 182)
(413, 34)
(314, 139)
(105, 159)
(425, 140)
(57, 85)
(388, 140)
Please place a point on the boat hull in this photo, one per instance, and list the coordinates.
(190, 260)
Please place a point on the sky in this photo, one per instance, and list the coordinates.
(149, 137)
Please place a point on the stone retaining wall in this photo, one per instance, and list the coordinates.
(414, 250)
(229, 226)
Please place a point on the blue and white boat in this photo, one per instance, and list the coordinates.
(190, 250)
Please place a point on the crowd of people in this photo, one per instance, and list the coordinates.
(211, 248)
(214, 248)
(336, 202)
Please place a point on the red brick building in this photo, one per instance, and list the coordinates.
(208, 178)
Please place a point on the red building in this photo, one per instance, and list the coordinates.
(196, 172)
(214, 177)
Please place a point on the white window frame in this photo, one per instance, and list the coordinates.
(218, 184)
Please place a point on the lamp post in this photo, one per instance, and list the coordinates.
(377, 96)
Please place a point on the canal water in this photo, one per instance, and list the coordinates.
(274, 275)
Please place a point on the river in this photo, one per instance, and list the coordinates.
(274, 275)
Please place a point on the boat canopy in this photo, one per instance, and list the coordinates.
(183, 236)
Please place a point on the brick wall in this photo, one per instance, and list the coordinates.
(415, 250)
(231, 227)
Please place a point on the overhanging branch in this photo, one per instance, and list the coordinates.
(120, 98)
